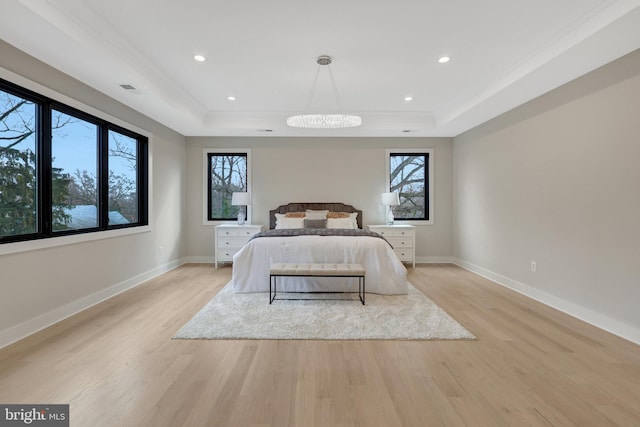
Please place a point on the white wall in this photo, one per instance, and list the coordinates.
(348, 170)
(39, 287)
(557, 181)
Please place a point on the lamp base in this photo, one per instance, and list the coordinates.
(390, 217)
(241, 218)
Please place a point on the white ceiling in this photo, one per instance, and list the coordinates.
(503, 53)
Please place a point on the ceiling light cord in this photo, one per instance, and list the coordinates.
(324, 121)
(335, 89)
(333, 86)
(307, 108)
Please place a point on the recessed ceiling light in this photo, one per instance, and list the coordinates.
(231, 98)
(199, 58)
(444, 59)
(408, 98)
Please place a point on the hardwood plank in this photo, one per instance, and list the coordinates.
(116, 364)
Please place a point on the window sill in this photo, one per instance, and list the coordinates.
(417, 223)
(32, 245)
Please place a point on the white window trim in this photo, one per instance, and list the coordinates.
(205, 182)
(51, 242)
(430, 166)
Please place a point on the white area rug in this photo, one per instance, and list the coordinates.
(390, 317)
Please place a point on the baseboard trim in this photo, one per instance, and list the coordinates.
(31, 326)
(199, 260)
(598, 320)
(434, 260)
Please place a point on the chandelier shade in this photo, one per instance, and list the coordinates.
(324, 121)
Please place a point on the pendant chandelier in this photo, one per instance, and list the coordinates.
(324, 121)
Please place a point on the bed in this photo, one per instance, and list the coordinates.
(288, 240)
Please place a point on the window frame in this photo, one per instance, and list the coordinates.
(429, 152)
(206, 182)
(142, 171)
(46, 101)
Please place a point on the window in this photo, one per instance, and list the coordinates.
(227, 172)
(124, 162)
(18, 169)
(74, 171)
(63, 171)
(410, 173)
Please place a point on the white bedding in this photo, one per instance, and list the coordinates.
(385, 274)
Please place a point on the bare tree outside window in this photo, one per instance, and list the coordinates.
(123, 184)
(227, 173)
(408, 176)
(74, 149)
(17, 166)
(18, 169)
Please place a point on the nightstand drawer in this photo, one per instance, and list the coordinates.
(404, 254)
(226, 254)
(400, 242)
(387, 232)
(232, 242)
(244, 232)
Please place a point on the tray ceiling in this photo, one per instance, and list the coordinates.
(503, 53)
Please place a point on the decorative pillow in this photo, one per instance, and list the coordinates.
(315, 223)
(295, 214)
(311, 214)
(338, 215)
(340, 223)
(282, 222)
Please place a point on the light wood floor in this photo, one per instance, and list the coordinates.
(116, 365)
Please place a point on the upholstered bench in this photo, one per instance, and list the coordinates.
(314, 270)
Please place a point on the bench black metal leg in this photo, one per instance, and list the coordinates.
(273, 282)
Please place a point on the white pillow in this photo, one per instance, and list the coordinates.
(354, 218)
(282, 222)
(311, 214)
(341, 223)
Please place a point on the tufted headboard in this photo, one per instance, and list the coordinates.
(301, 207)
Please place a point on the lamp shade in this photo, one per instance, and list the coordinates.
(390, 199)
(239, 198)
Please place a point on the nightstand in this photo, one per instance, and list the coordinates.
(402, 238)
(230, 238)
